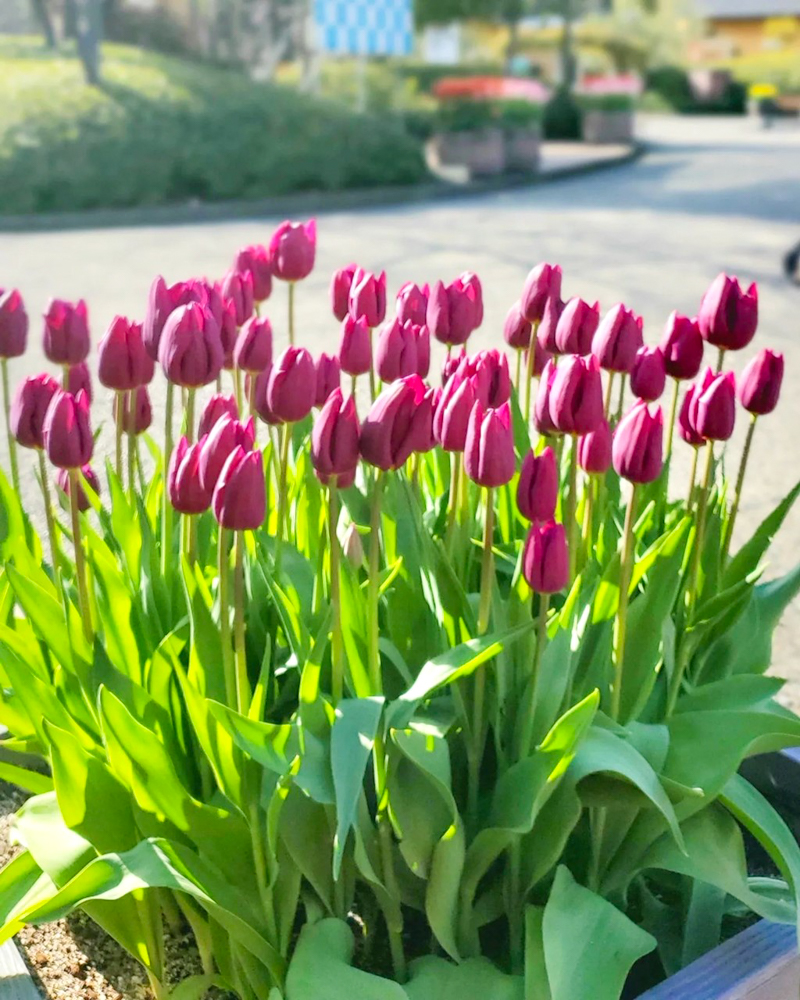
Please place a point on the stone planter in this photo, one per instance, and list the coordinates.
(523, 150)
(482, 153)
(608, 126)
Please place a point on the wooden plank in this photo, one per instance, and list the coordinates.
(15, 979)
(760, 963)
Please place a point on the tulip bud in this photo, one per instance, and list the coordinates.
(453, 409)
(576, 327)
(341, 283)
(13, 325)
(355, 349)
(546, 334)
(576, 396)
(688, 410)
(292, 385)
(352, 547)
(715, 412)
(682, 347)
(728, 316)
(238, 289)
(253, 349)
(451, 364)
(489, 453)
(190, 350)
(240, 497)
(411, 305)
(396, 351)
(637, 447)
(255, 261)
(29, 407)
(64, 484)
(137, 421)
(455, 310)
(516, 329)
(545, 561)
(398, 423)
(542, 284)
(123, 362)
(489, 373)
(470, 284)
(228, 333)
(541, 408)
(328, 377)
(292, 250)
(594, 450)
(262, 405)
(79, 378)
(66, 332)
(424, 420)
(162, 302)
(224, 436)
(368, 297)
(537, 489)
(423, 350)
(648, 376)
(617, 339)
(67, 432)
(760, 384)
(186, 491)
(540, 358)
(334, 438)
(216, 408)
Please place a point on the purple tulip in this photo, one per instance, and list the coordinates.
(396, 351)
(489, 373)
(760, 385)
(368, 297)
(637, 447)
(411, 305)
(355, 348)
(715, 412)
(66, 332)
(64, 484)
(262, 404)
(648, 376)
(292, 250)
(237, 287)
(682, 347)
(686, 417)
(29, 408)
(541, 408)
(453, 409)
(216, 408)
(334, 438)
(489, 453)
(255, 261)
(516, 329)
(537, 489)
(240, 496)
(341, 283)
(186, 492)
(398, 424)
(576, 396)
(79, 378)
(228, 333)
(191, 351)
(13, 325)
(546, 333)
(576, 327)
(451, 364)
(329, 378)
(162, 302)
(224, 436)
(728, 316)
(138, 421)
(123, 363)
(545, 560)
(253, 349)
(542, 284)
(540, 358)
(617, 339)
(455, 310)
(594, 450)
(292, 385)
(67, 431)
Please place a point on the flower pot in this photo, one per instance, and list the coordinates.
(483, 152)
(523, 150)
(608, 126)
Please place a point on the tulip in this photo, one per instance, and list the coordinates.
(341, 283)
(240, 499)
(63, 482)
(292, 385)
(67, 432)
(489, 373)
(455, 310)
(541, 413)
(368, 297)
(728, 316)
(123, 362)
(190, 350)
(617, 339)
(576, 327)
(184, 485)
(353, 547)
(648, 376)
(334, 438)
(451, 417)
(517, 329)
(226, 435)
(411, 305)
(66, 332)
(79, 377)
(760, 383)
(542, 284)
(292, 250)
(545, 561)
(29, 407)
(228, 333)
(489, 452)
(259, 393)
(163, 300)
(253, 349)
(255, 261)
(537, 489)
(328, 377)
(397, 424)
(396, 351)
(637, 447)
(594, 450)
(686, 425)
(546, 332)
(355, 349)
(237, 287)
(451, 364)
(215, 409)
(13, 325)
(540, 358)
(682, 347)
(576, 396)
(141, 417)
(715, 412)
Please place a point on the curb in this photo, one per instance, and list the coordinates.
(306, 203)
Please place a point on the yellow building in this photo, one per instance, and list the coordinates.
(749, 27)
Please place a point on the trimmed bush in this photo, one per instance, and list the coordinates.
(672, 85)
(562, 117)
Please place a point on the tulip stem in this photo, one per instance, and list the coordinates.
(738, 494)
(228, 665)
(518, 375)
(51, 525)
(484, 610)
(283, 472)
(452, 500)
(529, 366)
(692, 479)
(621, 398)
(673, 409)
(572, 503)
(237, 388)
(242, 682)
(251, 399)
(588, 516)
(337, 644)
(702, 507)
(130, 405)
(487, 565)
(620, 625)
(720, 360)
(371, 366)
(12, 444)
(80, 562)
(528, 733)
(166, 525)
(122, 402)
(353, 385)
(374, 659)
(190, 394)
(291, 313)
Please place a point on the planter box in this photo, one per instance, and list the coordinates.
(523, 150)
(608, 126)
(482, 153)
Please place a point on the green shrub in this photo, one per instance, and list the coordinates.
(606, 102)
(562, 117)
(672, 85)
(466, 116)
(520, 114)
(163, 130)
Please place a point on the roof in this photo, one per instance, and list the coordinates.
(748, 9)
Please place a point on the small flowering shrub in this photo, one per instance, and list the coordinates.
(446, 693)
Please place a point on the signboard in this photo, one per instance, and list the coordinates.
(364, 27)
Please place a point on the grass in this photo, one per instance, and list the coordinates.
(163, 130)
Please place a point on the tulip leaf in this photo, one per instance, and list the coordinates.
(751, 553)
(31, 781)
(474, 979)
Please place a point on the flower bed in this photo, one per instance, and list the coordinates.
(447, 695)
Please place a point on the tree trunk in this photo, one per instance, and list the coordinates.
(567, 53)
(42, 15)
(513, 40)
(88, 20)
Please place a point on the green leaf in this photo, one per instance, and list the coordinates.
(196, 987)
(537, 986)
(751, 553)
(273, 746)
(474, 979)
(31, 781)
(57, 850)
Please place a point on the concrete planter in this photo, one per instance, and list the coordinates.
(483, 153)
(523, 150)
(608, 126)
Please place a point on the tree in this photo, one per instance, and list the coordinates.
(41, 12)
(87, 18)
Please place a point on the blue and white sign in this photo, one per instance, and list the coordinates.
(364, 27)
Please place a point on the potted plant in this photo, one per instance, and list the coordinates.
(607, 118)
(468, 134)
(521, 122)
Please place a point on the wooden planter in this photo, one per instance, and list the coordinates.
(482, 153)
(608, 126)
(523, 150)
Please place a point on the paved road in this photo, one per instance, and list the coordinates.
(711, 195)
